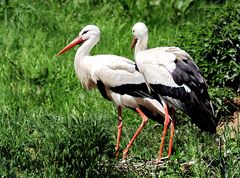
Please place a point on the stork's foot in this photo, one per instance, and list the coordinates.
(162, 159)
(125, 161)
(156, 162)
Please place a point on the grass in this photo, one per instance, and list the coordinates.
(51, 126)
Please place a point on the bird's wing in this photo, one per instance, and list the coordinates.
(120, 75)
(158, 67)
(176, 64)
(198, 85)
(174, 76)
(187, 72)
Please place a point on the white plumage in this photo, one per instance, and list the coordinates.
(173, 76)
(116, 78)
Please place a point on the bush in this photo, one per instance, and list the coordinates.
(216, 49)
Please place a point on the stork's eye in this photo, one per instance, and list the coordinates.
(84, 32)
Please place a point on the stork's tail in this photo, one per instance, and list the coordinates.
(203, 116)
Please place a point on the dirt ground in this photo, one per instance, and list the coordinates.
(234, 123)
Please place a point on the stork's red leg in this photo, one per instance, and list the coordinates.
(144, 121)
(166, 123)
(172, 126)
(120, 125)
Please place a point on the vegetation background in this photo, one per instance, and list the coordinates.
(52, 127)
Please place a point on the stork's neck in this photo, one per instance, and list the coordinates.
(85, 49)
(80, 66)
(141, 44)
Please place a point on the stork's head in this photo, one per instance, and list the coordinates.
(90, 33)
(140, 34)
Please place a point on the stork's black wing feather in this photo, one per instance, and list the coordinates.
(136, 90)
(101, 88)
(187, 73)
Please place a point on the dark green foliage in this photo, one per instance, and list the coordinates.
(216, 48)
(221, 41)
(223, 102)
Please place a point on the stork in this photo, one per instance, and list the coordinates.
(116, 79)
(173, 76)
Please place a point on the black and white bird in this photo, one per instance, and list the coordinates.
(117, 80)
(173, 76)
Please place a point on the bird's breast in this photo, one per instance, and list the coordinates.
(83, 73)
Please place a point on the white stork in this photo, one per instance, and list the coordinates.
(117, 80)
(173, 76)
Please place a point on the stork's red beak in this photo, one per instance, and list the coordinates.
(76, 41)
(134, 41)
